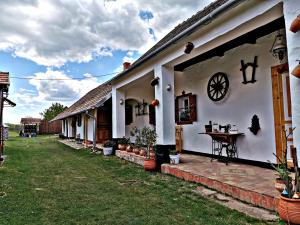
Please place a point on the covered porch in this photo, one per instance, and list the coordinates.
(248, 183)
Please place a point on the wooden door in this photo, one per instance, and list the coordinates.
(282, 108)
(104, 124)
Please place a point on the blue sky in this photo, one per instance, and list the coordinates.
(51, 39)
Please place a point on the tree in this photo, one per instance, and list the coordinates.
(53, 111)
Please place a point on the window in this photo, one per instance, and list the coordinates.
(128, 114)
(185, 109)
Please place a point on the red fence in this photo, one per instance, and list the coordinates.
(50, 128)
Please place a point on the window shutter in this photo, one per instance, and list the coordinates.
(176, 110)
(128, 114)
(152, 119)
(193, 108)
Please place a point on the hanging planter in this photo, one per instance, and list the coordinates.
(155, 81)
(155, 102)
(295, 26)
(296, 71)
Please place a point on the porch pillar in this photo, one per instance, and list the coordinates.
(165, 118)
(118, 113)
(291, 8)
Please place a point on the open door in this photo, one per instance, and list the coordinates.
(104, 122)
(282, 108)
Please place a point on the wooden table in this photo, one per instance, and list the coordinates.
(227, 141)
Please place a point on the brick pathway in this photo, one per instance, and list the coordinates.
(251, 184)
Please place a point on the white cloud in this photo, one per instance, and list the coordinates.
(53, 32)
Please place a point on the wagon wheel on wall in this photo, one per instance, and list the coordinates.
(217, 86)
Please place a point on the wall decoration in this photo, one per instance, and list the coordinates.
(141, 108)
(244, 69)
(255, 127)
(217, 86)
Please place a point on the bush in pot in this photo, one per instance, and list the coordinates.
(174, 157)
(148, 139)
(289, 202)
(108, 147)
(122, 143)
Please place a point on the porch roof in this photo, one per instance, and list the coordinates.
(92, 99)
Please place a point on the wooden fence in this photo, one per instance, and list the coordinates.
(50, 128)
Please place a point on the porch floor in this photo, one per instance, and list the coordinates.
(248, 183)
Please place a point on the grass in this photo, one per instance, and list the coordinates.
(47, 182)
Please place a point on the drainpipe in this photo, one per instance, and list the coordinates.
(94, 128)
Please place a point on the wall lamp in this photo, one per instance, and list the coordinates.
(295, 26)
(169, 87)
(121, 101)
(296, 70)
(279, 47)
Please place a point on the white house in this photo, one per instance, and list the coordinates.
(89, 119)
(207, 84)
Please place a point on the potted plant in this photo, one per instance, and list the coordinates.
(108, 147)
(122, 143)
(289, 202)
(174, 157)
(136, 133)
(148, 138)
(129, 148)
(185, 115)
(1, 161)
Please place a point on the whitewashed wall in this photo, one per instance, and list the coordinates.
(240, 104)
(291, 9)
(90, 127)
(70, 128)
(79, 130)
(141, 91)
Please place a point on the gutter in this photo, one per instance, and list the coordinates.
(202, 22)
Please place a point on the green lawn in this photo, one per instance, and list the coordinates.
(48, 183)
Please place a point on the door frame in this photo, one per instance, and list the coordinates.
(278, 107)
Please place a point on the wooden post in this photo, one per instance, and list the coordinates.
(297, 175)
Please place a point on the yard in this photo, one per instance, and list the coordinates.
(45, 182)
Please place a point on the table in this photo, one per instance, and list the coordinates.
(227, 141)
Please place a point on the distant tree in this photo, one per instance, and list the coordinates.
(53, 111)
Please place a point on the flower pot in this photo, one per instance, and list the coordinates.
(142, 152)
(289, 210)
(149, 164)
(122, 147)
(107, 150)
(174, 159)
(129, 148)
(279, 185)
(155, 102)
(152, 154)
(296, 71)
(295, 26)
(136, 151)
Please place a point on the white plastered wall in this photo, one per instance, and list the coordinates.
(239, 105)
(291, 9)
(79, 130)
(70, 128)
(140, 91)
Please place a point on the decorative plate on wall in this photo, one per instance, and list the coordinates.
(217, 86)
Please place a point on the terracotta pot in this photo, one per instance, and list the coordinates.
(289, 210)
(296, 71)
(295, 26)
(122, 147)
(129, 148)
(142, 152)
(155, 102)
(279, 185)
(149, 164)
(136, 151)
(152, 154)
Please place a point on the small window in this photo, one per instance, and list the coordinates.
(185, 109)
